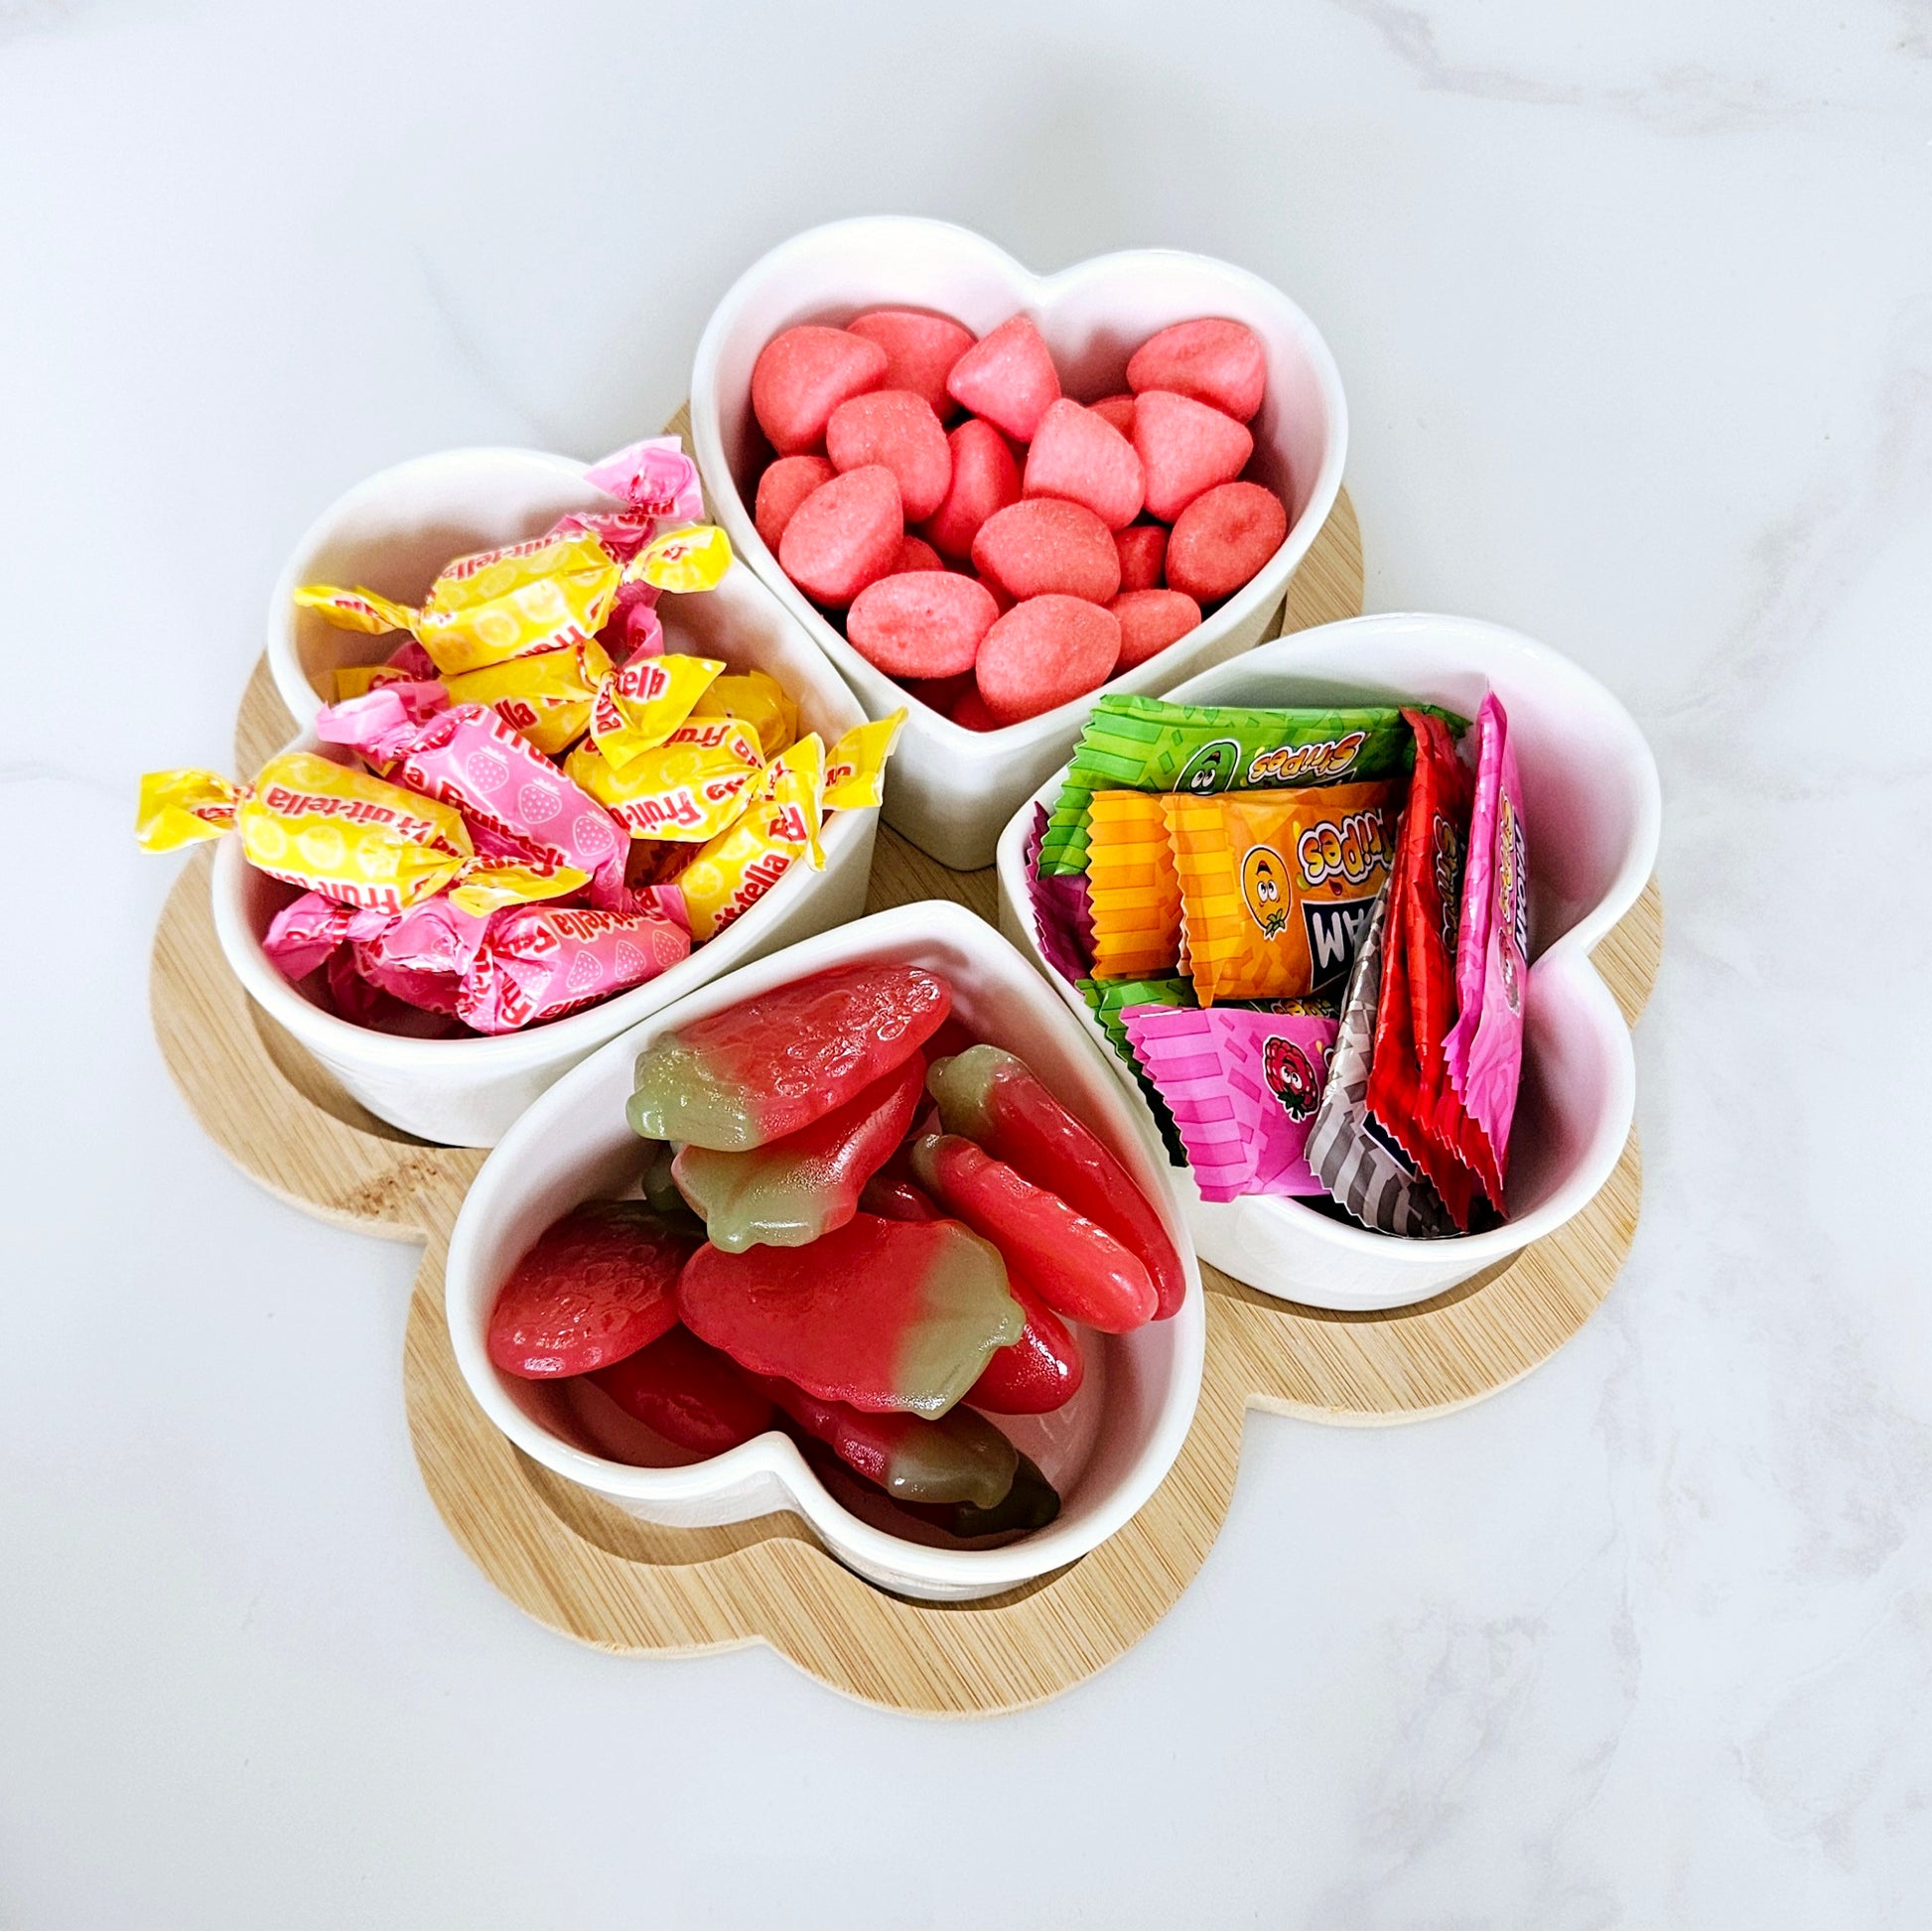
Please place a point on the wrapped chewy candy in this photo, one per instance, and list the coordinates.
(1483, 1052)
(1145, 743)
(346, 834)
(1276, 886)
(1133, 889)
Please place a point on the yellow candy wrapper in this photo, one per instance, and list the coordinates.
(338, 831)
(757, 699)
(778, 829)
(543, 595)
(1276, 886)
(546, 696)
(359, 680)
(693, 558)
(688, 789)
(639, 708)
(854, 767)
(1133, 889)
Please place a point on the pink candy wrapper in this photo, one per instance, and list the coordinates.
(466, 756)
(654, 477)
(1062, 914)
(539, 962)
(1483, 1049)
(1242, 1086)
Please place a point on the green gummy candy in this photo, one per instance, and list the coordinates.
(1146, 744)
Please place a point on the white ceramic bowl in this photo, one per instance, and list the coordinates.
(951, 790)
(466, 1091)
(1591, 807)
(1107, 1451)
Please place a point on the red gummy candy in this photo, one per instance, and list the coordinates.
(690, 1394)
(921, 350)
(1045, 653)
(915, 554)
(1043, 547)
(1142, 549)
(1222, 538)
(1185, 447)
(890, 1315)
(984, 478)
(1079, 1269)
(781, 489)
(594, 1287)
(1213, 360)
(1150, 621)
(1008, 378)
(769, 1065)
(802, 374)
(1118, 410)
(898, 429)
(925, 623)
(1079, 455)
(844, 536)
(1042, 1371)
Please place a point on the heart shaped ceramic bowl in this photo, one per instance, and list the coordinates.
(1107, 1451)
(1591, 811)
(951, 790)
(392, 534)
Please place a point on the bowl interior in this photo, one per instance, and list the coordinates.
(574, 1145)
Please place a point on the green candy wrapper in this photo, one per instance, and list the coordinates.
(1145, 743)
(1107, 999)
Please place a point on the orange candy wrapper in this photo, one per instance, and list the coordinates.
(1276, 886)
(353, 838)
(1133, 887)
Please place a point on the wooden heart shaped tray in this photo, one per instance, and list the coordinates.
(583, 1566)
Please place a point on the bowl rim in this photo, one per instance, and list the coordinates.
(928, 923)
(728, 502)
(1566, 959)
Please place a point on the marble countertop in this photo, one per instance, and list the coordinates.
(1634, 308)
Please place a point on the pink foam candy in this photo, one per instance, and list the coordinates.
(938, 693)
(1222, 538)
(1213, 360)
(898, 429)
(785, 484)
(921, 350)
(538, 962)
(1008, 378)
(844, 536)
(1118, 410)
(1045, 653)
(1080, 455)
(1185, 447)
(1044, 547)
(969, 712)
(466, 756)
(1142, 549)
(1242, 1088)
(927, 624)
(916, 554)
(802, 375)
(1150, 621)
(984, 478)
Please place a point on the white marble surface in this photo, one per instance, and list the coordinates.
(1634, 303)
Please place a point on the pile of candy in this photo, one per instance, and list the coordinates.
(554, 810)
(1271, 915)
(1024, 557)
(810, 1254)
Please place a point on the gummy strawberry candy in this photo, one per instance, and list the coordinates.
(1079, 1269)
(1042, 1371)
(594, 1287)
(894, 1194)
(1031, 1503)
(886, 1314)
(774, 1063)
(690, 1394)
(792, 1191)
(961, 1458)
(997, 1100)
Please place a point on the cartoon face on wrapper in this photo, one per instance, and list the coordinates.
(1264, 888)
(1291, 1077)
(1214, 767)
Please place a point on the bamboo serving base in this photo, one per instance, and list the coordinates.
(583, 1566)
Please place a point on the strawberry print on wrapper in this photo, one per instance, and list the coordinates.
(529, 970)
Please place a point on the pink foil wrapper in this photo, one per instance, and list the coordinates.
(539, 962)
(467, 755)
(1063, 913)
(1242, 1086)
(1483, 1050)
